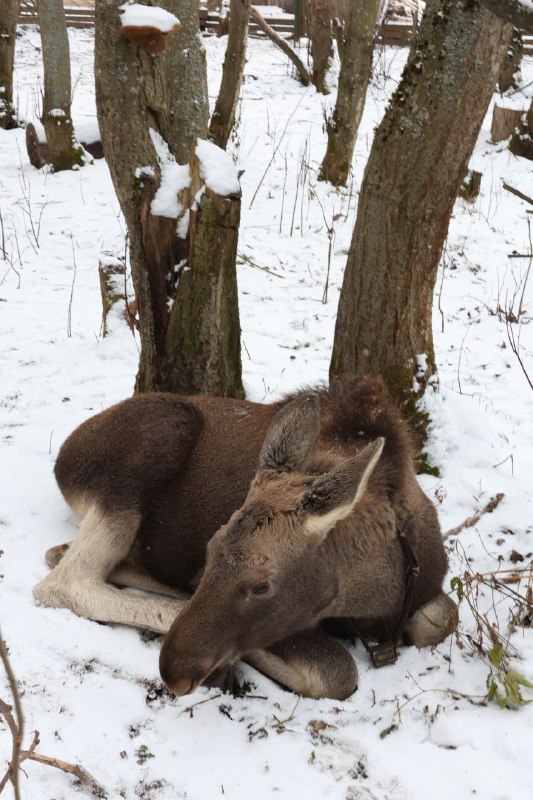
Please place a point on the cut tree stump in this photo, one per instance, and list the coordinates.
(112, 273)
(504, 122)
(38, 149)
(471, 185)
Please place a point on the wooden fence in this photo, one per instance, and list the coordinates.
(390, 33)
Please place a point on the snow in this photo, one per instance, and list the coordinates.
(137, 15)
(174, 178)
(418, 730)
(217, 168)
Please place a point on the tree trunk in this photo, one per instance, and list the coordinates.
(510, 67)
(151, 112)
(9, 10)
(321, 42)
(355, 49)
(64, 151)
(412, 178)
(223, 117)
(203, 339)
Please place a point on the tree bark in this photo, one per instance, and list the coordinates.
(151, 112)
(355, 49)
(510, 66)
(321, 42)
(223, 118)
(64, 151)
(9, 10)
(412, 178)
(203, 338)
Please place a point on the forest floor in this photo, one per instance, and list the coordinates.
(422, 729)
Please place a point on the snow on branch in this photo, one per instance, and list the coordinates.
(147, 26)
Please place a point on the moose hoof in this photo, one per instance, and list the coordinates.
(432, 623)
(48, 594)
(54, 555)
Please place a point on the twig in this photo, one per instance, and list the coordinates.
(276, 149)
(17, 729)
(17, 732)
(518, 193)
(469, 522)
(247, 260)
(69, 317)
(72, 769)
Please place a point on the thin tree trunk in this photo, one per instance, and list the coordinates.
(151, 112)
(64, 151)
(9, 10)
(223, 118)
(321, 42)
(356, 49)
(412, 178)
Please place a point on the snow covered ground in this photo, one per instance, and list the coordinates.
(419, 729)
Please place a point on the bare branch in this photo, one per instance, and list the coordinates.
(302, 70)
(17, 729)
(471, 521)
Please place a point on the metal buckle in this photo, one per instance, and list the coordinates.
(383, 654)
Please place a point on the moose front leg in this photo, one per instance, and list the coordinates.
(310, 663)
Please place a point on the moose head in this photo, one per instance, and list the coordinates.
(269, 572)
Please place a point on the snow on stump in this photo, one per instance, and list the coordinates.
(504, 122)
(147, 26)
(112, 273)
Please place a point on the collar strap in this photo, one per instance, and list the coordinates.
(385, 653)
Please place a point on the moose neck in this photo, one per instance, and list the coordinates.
(364, 554)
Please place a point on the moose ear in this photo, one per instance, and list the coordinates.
(332, 497)
(291, 435)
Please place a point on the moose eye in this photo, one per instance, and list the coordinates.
(261, 588)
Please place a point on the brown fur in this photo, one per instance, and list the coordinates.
(280, 518)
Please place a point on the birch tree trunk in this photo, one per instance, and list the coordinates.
(417, 162)
(223, 118)
(9, 10)
(151, 111)
(63, 149)
(356, 47)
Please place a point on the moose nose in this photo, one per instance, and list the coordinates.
(181, 686)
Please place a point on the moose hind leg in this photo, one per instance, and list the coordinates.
(432, 623)
(310, 663)
(78, 582)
